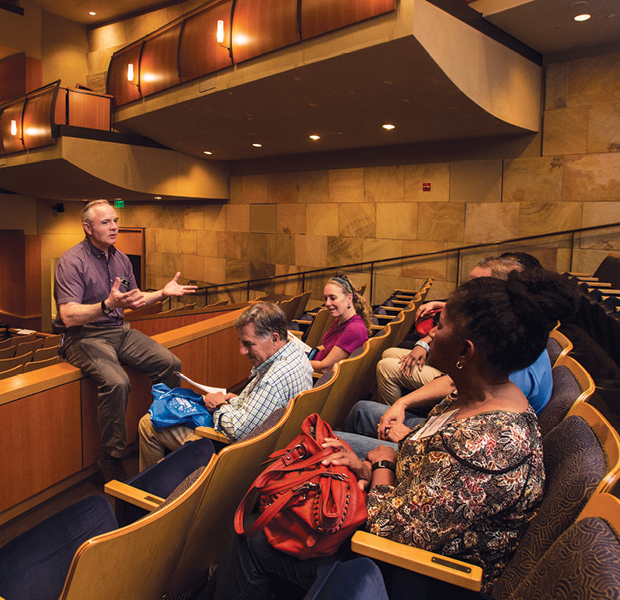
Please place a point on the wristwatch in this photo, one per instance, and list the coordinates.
(384, 464)
(106, 309)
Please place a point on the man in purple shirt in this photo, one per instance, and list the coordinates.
(93, 284)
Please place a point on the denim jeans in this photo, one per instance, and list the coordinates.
(250, 567)
(359, 429)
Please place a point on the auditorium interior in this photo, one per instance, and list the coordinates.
(260, 146)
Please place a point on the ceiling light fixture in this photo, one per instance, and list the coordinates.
(315, 137)
(157, 197)
(388, 126)
(583, 17)
(257, 145)
(208, 152)
(92, 13)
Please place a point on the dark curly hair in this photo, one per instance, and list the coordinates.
(509, 321)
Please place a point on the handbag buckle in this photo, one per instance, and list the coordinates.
(294, 454)
(304, 489)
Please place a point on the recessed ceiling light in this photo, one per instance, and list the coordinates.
(388, 126)
(583, 17)
(157, 197)
(257, 145)
(208, 152)
(315, 137)
(92, 13)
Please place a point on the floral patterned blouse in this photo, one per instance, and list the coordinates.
(466, 491)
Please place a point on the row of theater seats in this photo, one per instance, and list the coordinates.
(187, 502)
(311, 326)
(25, 353)
(119, 560)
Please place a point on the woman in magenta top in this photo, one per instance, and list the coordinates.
(351, 324)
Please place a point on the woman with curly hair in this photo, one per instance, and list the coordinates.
(466, 481)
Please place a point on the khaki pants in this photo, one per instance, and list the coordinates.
(392, 383)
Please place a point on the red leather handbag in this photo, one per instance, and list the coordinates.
(306, 509)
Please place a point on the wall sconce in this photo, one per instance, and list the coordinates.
(220, 37)
(130, 73)
(13, 127)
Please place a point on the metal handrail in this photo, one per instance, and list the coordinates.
(248, 283)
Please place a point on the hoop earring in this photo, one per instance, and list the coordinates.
(459, 364)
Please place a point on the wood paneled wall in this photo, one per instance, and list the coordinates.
(258, 27)
(50, 416)
(19, 74)
(262, 26)
(200, 53)
(38, 119)
(322, 16)
(158, 65)
(37, 113)
(20, 272)
(123, 90)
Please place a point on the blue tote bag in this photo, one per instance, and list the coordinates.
(178, 406)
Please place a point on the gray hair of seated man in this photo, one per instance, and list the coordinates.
(266, 317)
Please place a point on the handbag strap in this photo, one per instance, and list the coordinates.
(293, 495)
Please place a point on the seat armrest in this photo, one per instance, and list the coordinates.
(598, 284)
(394, 308)
(300, 322)
(433, 565)
(386, 317)
(401, 302)
(297, 334)
(210, 433)
(133, 495)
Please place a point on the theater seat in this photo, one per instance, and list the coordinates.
(36, 563)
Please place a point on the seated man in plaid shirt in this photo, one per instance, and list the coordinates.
(280, 370)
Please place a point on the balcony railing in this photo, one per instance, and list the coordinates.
(456, 263)
(30, 121)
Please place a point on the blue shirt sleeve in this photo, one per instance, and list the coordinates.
(536, 382)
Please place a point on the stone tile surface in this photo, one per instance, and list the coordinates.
(438, 175)
(591, 178)
(441, 222)
(263, 218)
(346, 185)
(322, 219)
(357, 220)
(489, 222)
(566, 131)
(384, 184)
(476, 181)
(397, 220)
(533, 179)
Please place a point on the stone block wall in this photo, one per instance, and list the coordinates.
(278, 223)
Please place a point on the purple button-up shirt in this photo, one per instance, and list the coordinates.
(84, 275)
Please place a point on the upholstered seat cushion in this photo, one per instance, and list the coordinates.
(584, 563)
(35, 564)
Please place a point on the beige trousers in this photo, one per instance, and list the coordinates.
(153, 443)
(392, 383)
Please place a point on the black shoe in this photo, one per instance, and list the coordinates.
(111, 467)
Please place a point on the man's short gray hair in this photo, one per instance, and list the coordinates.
(87, 210)
(267, 318)
(500, 267)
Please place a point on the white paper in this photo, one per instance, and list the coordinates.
(205, 388)
(298, 342)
